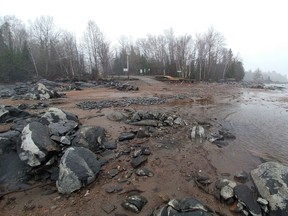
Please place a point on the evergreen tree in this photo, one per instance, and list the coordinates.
(236, 71)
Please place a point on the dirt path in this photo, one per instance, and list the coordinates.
(151, 81)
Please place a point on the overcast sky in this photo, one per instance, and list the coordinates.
(256, 29)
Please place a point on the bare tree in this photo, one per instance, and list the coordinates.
(68, 55)
(98, 50)
(91, 40)
(201, 52)
(184, 48)
(43, 34)
(105, 55)
(169, 34)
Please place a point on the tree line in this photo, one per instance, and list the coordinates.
(260, 76)
(43, 50)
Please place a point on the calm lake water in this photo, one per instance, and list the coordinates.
(259, 120)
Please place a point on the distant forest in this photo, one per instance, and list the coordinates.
(264, 77)
(41, 50)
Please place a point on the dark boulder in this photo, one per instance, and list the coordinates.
(147, 122)
(78, 168)
(142, 133)
(8, 141)
(126, 136)
(13, 172)
(246, 197)
(22, 88)
(134, 203)
(9, 113)
(137, 161)
(221, 143)
(21, 123)
(90, 137)
(227, 134)
(110, 145)
(36, 147)
(6, 93)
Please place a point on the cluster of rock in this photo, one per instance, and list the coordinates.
(134, 203)
(219, 138)
(9, 113)
(45, 89)
(244, 199)
(51, 146)
(108, 84)
(30, 91)
(147, 121)
(124, 86)
(55, 146)
(254, 85)
(120, 103)
(186, 206)
(268, 197)
(146, 101)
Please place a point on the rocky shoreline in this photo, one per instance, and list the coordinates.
(53, 146)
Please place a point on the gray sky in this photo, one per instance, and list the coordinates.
(256, 29)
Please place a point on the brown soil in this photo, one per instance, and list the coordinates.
(175, 158)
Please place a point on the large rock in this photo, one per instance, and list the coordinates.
(6, 93)
(9, 113)
(197, 131)
(41, 92)
(78, 168)
(21, 123)
(246, 197)
(147, 122)
(8, 141)
(126, 136)
(227, 192)
(90, 137)
(134, 203)
(59, 122)
(115, 116)
(187, 206)
(36, 147)
(271, 180)
(12, 172)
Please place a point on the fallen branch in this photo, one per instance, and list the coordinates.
(26, 189)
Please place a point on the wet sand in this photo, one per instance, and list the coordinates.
(175, 158)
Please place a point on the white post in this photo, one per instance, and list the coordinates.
(128, 66)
